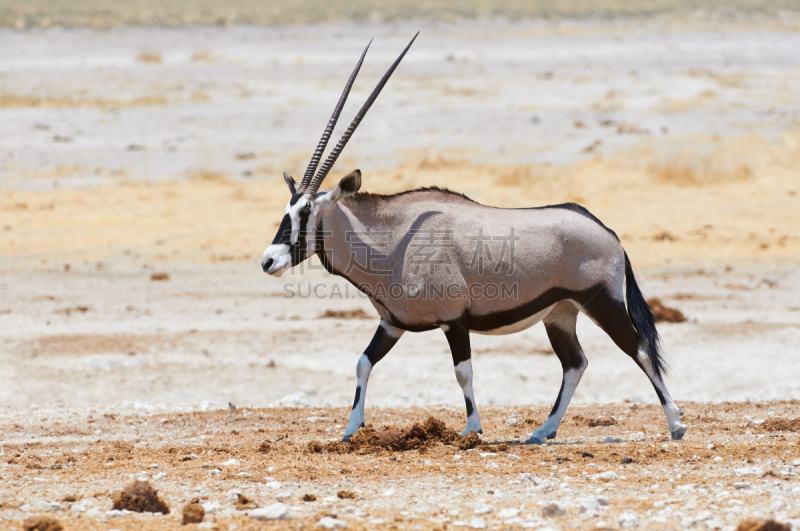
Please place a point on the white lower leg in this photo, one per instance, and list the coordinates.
(363, 369)
(548, 430)
(464, 377)
(672, 412)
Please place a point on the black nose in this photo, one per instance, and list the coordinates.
(266, 265)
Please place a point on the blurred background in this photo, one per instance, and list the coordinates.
(142, 146)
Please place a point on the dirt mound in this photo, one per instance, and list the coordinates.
(193, 513)
(345, 314)
(605, 420)
(432, 431)
(665, 314)
(140, 497)
(753, 524)
(772, 425)
(42, 523)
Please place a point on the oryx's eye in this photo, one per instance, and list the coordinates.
(305, 211)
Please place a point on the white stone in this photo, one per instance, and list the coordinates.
(285, 495)
(482, 508)
(210, 507)
(276, 511)
(608, 475)
(160, 475)
(232, 462)
(331, 523)
(741, 485)
(389, 492)
(748, 471)
(513, 421)
(81, 506)
(508, 512)
(477, 523)
(233, 495)
(42, 507)
(628, 519)
(589, 507)
(554, 509)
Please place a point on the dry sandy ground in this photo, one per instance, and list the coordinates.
(141, 150)
(737, 461)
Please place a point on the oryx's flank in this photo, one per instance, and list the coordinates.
(562, 261)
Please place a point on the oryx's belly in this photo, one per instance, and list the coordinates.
(517, 326)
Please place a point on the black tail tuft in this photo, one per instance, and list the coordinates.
(642, 318)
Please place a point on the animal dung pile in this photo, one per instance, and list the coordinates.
(665, 314)
(140, 497)
(775, 424)
(432, 431)
(42, 523)
(753, 524)
(193, 513)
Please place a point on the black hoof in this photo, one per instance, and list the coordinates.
(346, 439)
(534, 440)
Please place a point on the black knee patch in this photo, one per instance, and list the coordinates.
(358, 395)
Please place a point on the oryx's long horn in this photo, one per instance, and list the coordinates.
(328, 164)
(326, 135)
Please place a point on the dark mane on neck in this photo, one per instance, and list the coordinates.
(366, 197)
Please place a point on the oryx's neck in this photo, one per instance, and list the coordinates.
(358, 241)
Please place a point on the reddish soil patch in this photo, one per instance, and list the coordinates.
(345, 314)
(665, 314)
(772, 425)
(42, 523)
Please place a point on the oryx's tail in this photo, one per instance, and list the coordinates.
(642, 318)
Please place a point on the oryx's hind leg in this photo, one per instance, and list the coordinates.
(382, 342)
(457, 334)
(560, 326)
(611, 315)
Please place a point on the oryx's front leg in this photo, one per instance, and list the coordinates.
(382, 342)
(457, 334)
(560, 326)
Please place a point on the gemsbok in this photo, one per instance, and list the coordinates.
(431, 258)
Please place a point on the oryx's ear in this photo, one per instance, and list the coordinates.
(349, 185)
(290, 183)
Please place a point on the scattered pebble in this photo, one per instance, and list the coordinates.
(513, 421)
(627, 460)
(554, 509)
(276, 511)
(587, 454)
(331, 523)
(612, 440)
(508, 512)
(477, 523)
(482, 508)
(628, 519)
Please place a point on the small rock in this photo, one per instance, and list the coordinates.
(389, 492)
(628, 519)
(477, 523)
(42, 507)
(748, 471)
(482, 508)
(276, 511)
(741, 485)
(608, 475)
(554, 509)
(160, 475)
(754, 524)
(193, 513)
(508, 512)
(232, 462)
(612, 440)
(42, 523)
(308, 498)
(589, 507)
(331, 523)
(627, 460)
(210, 507)
(587, 454)
(513, 421)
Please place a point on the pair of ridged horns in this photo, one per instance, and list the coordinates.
(311, 183)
